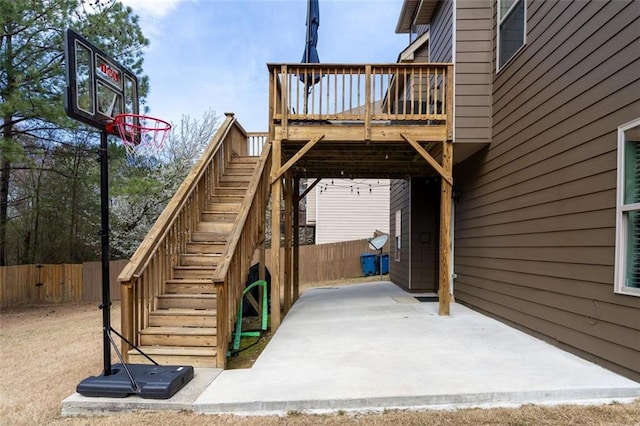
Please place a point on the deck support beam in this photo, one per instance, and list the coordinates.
(444, 288)
(276, 194)
(288, 236)
(296, 239)
(446, 175)
(298, 155)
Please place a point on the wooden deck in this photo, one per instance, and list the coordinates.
(360, 118)
(356, 121)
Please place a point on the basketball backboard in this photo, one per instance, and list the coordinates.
(98, 87)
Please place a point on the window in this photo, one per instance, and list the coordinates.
(511, 29)
(627, 272)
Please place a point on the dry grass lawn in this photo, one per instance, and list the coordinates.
(46, 350)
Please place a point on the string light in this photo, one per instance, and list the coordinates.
(354, 185)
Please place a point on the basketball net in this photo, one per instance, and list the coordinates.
(141, 135)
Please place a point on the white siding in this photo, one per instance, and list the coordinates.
(311, 198)
(349, 209)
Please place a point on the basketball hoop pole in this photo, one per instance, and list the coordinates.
(103, 155)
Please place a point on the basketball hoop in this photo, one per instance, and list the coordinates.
(140, 134)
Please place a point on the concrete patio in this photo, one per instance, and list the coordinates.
(373, 346)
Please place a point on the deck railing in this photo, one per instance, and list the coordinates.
(420, 92)
(246, 235)
(151, 265)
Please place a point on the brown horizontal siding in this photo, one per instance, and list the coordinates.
(532, 188)
(552, 153)
(619, 357)
(563, 81)
(535, 219)
(587, 289)
(565, 238)
(422, 54)
(594, 273)
(471, 134)
(559, 101)
(399, 272)
(582, 313)
(469, 10)
(583, 221)
(510, 77)
(467, 76)
(584, 256)
(475, 35)
(473, 66)
(440, 33)
(473, 71)
(472, 90)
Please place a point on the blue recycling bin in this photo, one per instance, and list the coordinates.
(384, 264)
(368, 262)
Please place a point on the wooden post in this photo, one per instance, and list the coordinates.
(284, 99)
(276, 193)
(126, 319)
(288, 204)
(444, 291)
(367, 103)
(450, 101)
(296, 239)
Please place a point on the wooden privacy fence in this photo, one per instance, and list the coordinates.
(31, 284)
(328, 262)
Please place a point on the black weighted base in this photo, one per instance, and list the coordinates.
(153, 381)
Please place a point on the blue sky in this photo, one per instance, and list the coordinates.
(212, 54)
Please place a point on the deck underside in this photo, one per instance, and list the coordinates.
(345, 152)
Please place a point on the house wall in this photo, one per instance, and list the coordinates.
(409, 272)
(473, 67)
(535, 221)
(441, 33)
(422, 54)
(342, 214)
(399, 270)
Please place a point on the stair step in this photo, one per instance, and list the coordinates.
(205, 247)
(215, 227)
(219, 216)
(244, 159)
(187, 301)
(195, 356)
(193, 272)
(235, 180)
(231, 190)
(213, 237)
(200, 259)
(226, 199)
(192, 286)
(223, 207)
(183, 318)
(238, 171)
(178, 336)
(240, 166)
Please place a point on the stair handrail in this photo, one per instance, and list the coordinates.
(161, 227)
(245, 236)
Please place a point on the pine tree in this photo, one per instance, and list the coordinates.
(32, 73)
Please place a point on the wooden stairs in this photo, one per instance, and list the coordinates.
(182, 328)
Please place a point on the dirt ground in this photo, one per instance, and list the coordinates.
(46, 350)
